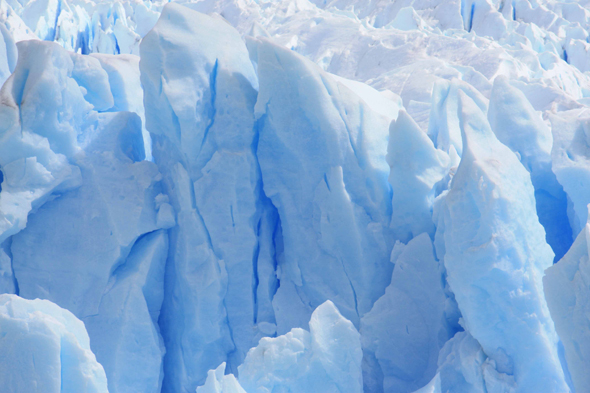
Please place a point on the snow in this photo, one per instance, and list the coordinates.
(293, 195)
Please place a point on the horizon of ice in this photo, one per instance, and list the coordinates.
(253, 196)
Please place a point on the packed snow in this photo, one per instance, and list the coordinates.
(255, 196)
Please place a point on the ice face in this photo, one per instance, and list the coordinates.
(416, 168)
(306, 196)
(115, 268)
(37, 143)
(8, 54)
(199, 96)
(318, 141)
(516, 124)
(567, 291)
(444, 126)
(407, 326)
(492, 236)
(100, 197)
(569, 161)
(45, 348)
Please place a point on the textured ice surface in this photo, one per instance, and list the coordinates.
(327, 358)
(199, 96)
(322, 158)
(570, 158)
(495, 254)
(44, 348)
(196, 181)
(404, 332)
(83, 172)
(217, 382)
(417, 168)
(518, 126)
(567, 285)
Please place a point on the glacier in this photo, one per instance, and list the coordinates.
(255, 196)
(45, 348)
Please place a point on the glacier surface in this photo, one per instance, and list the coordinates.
(255, 196)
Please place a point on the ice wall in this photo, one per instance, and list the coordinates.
(210, 194)
(322, 158)
(199, 95)
(516, 124)
(407, 327)
(90, 181)
(567, 285)
(495, 254)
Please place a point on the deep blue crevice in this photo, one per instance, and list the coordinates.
(278, 247)
(552, 213)
(513, 10)
(1, 178)
(123, 265)
(327, 183)
(51, 35)
(82, 42)
(255, 277)
(213, 109)
(266, 202)
(232, 368)
(18, 94)
(164, 320)
(356, 304)
(471, 17)
(6, 246)
(565, 56)
(115, 16)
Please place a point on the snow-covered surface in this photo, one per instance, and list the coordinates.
(294, 195)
